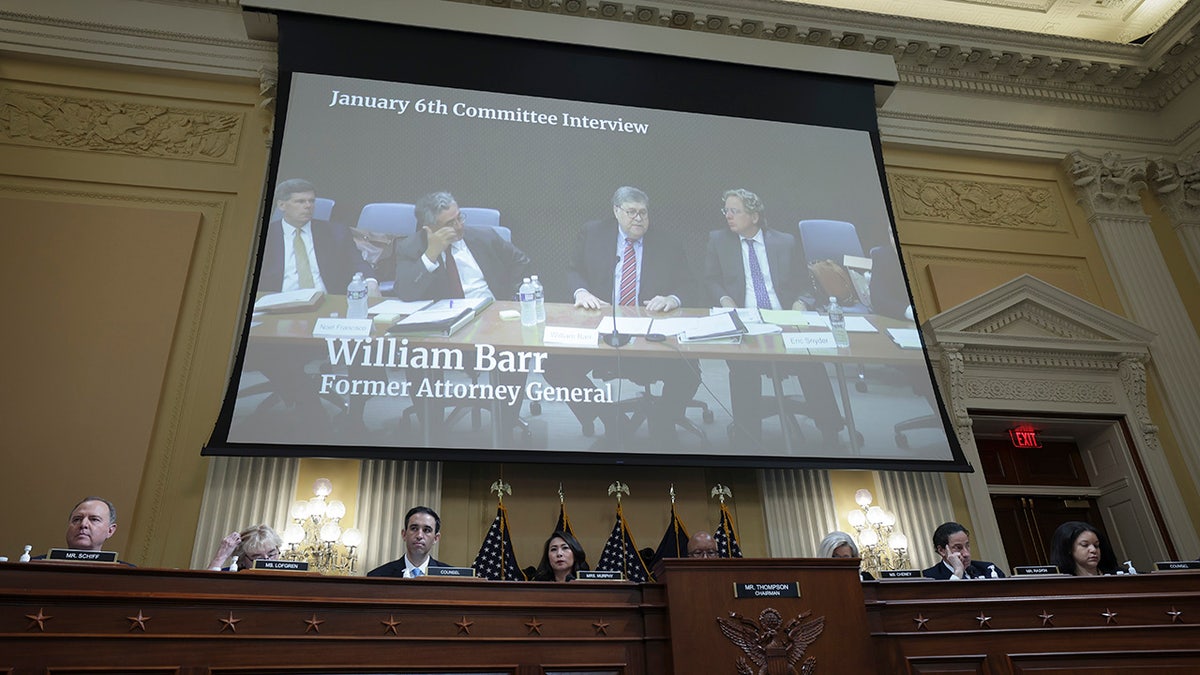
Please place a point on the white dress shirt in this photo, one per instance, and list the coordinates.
(469, 272)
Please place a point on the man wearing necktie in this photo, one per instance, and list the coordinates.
(953, 544)
(447, 258)
(621, 260)
(422, 529)
(750, 265)
(304, 252)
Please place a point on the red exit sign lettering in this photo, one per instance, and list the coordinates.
(1024, 437)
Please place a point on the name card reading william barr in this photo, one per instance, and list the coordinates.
(786, 589)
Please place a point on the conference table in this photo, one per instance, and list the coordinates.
(507, 334)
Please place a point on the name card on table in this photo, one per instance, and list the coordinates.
(900, 575)
(815, 340)
(599, 575)
(786, 589)
(282, 565)
(1035, 570)
(1177, 565)
(76, 555)
(334, 327)
(570, 337)
(451, 572)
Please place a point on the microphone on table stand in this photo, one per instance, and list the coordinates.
(616, 338)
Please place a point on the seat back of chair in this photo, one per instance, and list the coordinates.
(389, 217)
(829, 240)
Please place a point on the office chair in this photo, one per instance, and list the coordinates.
(833, 240)
(322, 210)
(394, 218)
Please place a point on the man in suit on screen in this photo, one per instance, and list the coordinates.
(748, 264)
(422, 529)
(622, 261)
(302, 252)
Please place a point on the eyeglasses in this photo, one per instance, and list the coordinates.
(273, 554)
(636, 214)
(705, 554)
(732, 211)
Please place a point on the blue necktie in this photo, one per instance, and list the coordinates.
(416, 572)
(761, 299)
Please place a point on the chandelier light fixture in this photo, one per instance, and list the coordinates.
(316, 534)
(881, 545)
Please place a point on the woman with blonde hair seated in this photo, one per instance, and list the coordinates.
(258, 542)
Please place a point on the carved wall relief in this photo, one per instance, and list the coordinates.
(966, 202)
(122, 127)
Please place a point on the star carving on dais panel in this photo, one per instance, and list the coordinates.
(391, 624)
(314, 624)
(1046, 619)
(228, 622)
(464, 626)
(138, 621)
(1176, 615)
(601, 627)
(534, 626)
(40, 619)
(1110, 617)
(984, 620)
(921, 622)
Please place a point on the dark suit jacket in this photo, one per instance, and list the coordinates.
(977, 569)
(724, 273)
(337, 256)
(503, 265)
(396, 568)
(594, 261)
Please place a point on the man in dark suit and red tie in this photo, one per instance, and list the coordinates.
(621, 260)
(749, 265)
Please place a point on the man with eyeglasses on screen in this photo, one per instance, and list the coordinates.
(621, 261)
(703, 545)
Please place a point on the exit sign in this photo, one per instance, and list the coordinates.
(1024, 437)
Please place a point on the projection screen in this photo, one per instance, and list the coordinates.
(578, 165)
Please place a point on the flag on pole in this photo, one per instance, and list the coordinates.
(621, 553)
(726, 536)
(564, 523)
(496, 560)
(674, 540)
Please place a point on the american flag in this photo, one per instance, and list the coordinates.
(726, 536)
(621, 553)
(674, 540)
(496, 560)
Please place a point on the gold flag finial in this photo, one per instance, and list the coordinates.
(672, 491)
(722, 492)
(617, 488)
(561, 495)
(501, 488)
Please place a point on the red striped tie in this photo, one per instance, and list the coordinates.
(628, 295)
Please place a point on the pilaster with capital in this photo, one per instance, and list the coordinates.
(954, 371)
(1109, 189)
(1177, 185)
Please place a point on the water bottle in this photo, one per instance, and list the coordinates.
(837, 321)
(539, 296)
(528, 303)
(356, 298)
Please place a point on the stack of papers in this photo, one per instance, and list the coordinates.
(305, 298)
(905, 338)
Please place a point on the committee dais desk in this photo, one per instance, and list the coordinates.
(708, 617)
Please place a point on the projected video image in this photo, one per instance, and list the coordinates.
(708, 288)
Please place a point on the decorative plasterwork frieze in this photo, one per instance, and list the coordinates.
(1177, 183)
(973, 202)
(47, 120)
(1028, 389)
(974, 59)
(1109, 186)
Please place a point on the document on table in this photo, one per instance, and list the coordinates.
(399, 307)
(905, 338)
(626, 325)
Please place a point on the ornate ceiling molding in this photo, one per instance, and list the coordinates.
(934, 54)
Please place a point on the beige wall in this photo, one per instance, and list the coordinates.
(170, 170)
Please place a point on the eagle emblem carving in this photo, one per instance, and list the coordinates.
(772, 647)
